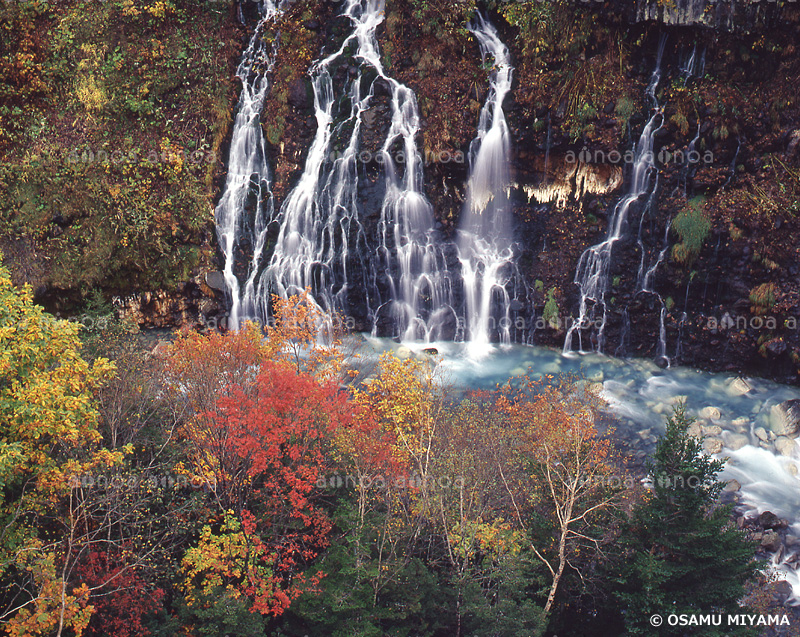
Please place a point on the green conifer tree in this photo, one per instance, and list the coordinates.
(680, 553)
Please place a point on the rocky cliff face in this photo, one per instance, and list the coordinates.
(723, 215)
(727, 157)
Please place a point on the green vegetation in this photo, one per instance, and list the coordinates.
(625, 108)
(763, 297)
(112, 119)
(680, 551)
(550, 313)
(692, 226)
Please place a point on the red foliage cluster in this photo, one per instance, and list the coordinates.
(121, 599)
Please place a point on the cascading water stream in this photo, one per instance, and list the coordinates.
(421, 303)
(592, 274)
(692, 161)
(319, 221)
(484, 238)
(321, 241)
(245, 207)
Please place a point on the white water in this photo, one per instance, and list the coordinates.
(691, 164)
(421, 303)
(693, 65)
(642, 396)
(485, 243)
(245, 207)
(592, 274)
(321, 241)
(319, 221)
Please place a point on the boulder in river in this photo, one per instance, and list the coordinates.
(709, 413)
(712, 445)
(768, 520)
(712, 430)
(770, 541)
(784, 418)
(739, 387)
(785, 446)
(737, 441)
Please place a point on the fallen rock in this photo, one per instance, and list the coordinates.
(695, 430)
(761, 433)
(712, 430)
(768, 520)
(732, 486)
(739, 387)
(770, 541)
(737, 441)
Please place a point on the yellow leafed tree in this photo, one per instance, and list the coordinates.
(48, 438)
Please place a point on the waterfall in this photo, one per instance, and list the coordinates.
(693, 65)
(645, 275)
(319, 226)
(245, 207)
(690, 168)
(592, 274)
(421, 288)
(661, 350)
(484, 238)
(733, 163)
(322, 243)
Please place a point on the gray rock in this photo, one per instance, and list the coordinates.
(737, 441)
(215, 280)
(770, 541)
(709, 413)
(761, 433)
(733, 486)
(739, 387)
(781, 591)
(712, 445)
(298, 95)
(784, 418)
(785, 446)
(695, 430)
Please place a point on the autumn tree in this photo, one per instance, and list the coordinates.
(377, 576)
(49, 438)
(264, 459)
(572, 489)
(490, 567)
